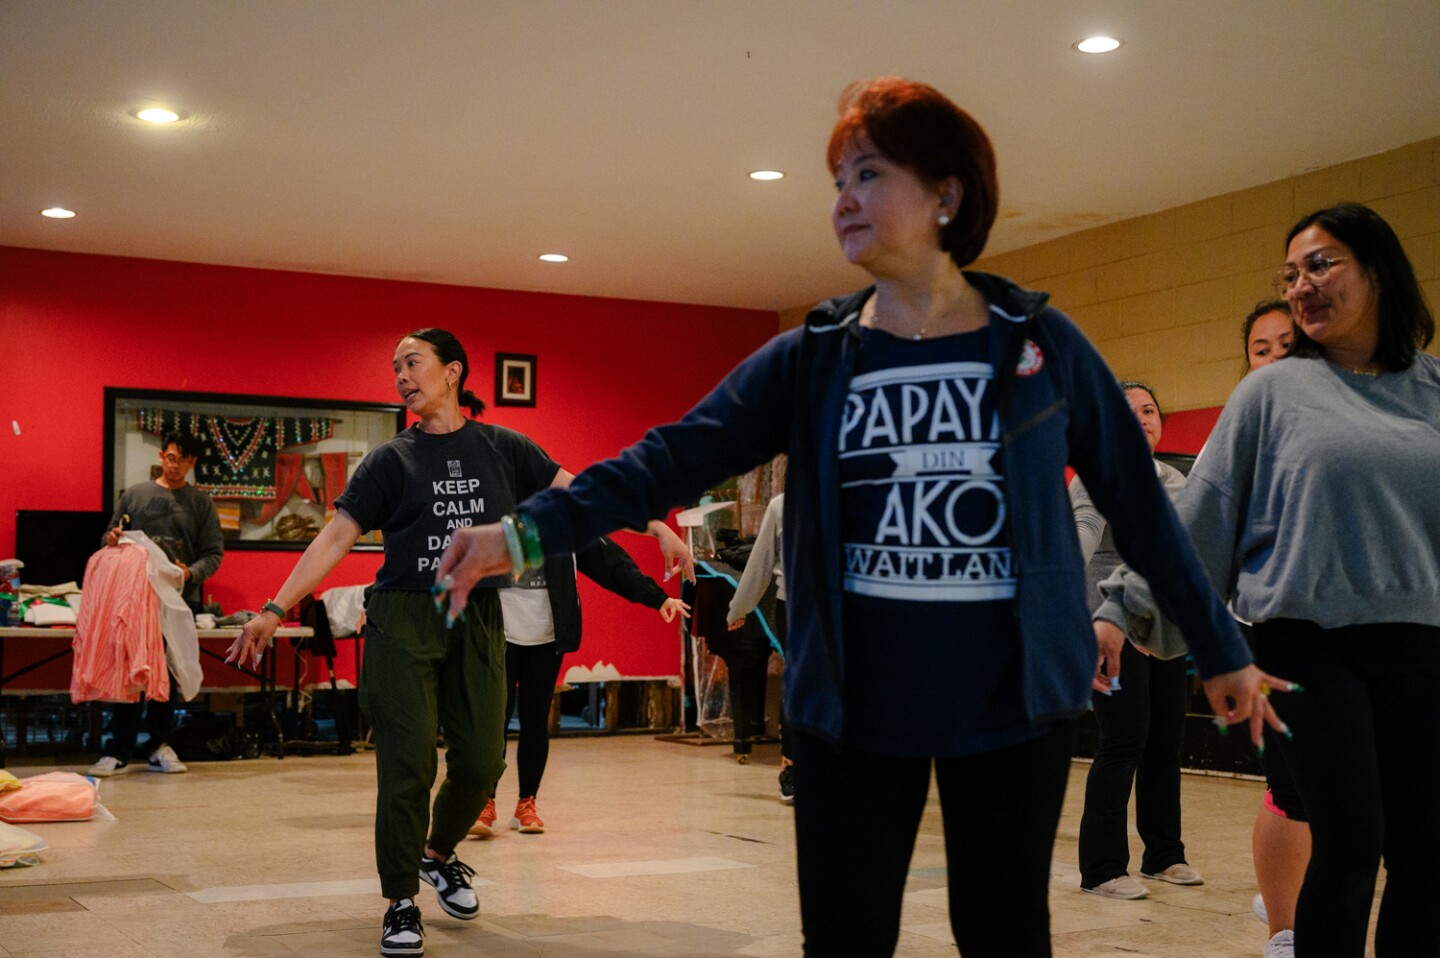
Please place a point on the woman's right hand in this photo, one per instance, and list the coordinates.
(1109, 643)
(253, 640)
(1243, 696)
(474, 553)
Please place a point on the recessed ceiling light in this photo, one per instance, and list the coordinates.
(766, 175)
(58, 213)
(1098, 45)
(554, 257)
(157, 114)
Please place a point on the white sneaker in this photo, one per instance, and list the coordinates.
(107, 766)
(1257, 905)
(1177, 874)
(1282, 945)
(164, 759)
(1124, 888)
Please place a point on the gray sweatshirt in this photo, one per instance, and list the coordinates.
(1316, 497)
(1097, 545)
(764, 562)
(181, 521)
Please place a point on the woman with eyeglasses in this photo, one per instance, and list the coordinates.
(1314, 507)
(935, 594)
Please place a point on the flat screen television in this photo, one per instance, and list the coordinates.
(55, 544)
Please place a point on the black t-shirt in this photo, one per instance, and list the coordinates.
(418, 488)
(933, 657)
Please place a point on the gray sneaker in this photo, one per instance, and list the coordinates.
(107, 766)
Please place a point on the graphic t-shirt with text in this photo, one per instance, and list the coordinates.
(419, 488)
(932, 655)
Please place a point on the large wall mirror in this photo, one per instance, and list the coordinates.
(273, 465)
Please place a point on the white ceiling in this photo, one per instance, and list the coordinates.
(452, 141)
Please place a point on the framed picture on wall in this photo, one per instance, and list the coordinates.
(514, 379)
(273, 465)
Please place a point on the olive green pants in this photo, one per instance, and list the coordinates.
(419, 677)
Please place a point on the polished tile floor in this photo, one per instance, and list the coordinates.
(653, 849)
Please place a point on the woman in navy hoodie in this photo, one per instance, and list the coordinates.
(936, 593)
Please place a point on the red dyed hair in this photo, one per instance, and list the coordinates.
(916, 126)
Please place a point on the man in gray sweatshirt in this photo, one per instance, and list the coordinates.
(182, 520)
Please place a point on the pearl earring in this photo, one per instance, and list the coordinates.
(943, 220)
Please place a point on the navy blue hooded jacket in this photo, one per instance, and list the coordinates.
(1062, 406)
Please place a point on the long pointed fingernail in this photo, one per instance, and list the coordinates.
(1295, 687)
(449, 619)
(1260, 748)
(1221, 725)
(1115, 683)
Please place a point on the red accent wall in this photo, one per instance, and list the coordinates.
(1187, 431)
(72, 324)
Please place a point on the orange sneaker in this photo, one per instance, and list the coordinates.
(525, 818)
(484, 826)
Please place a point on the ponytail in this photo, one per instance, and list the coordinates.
(472, 402)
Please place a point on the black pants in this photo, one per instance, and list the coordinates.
(1366, 756)
(1000, 811)
(530, 674)
(1141, 726)
(125, 717)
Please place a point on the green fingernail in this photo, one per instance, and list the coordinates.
(1288, 734)
(1260, 748)
(1296, 687)
(449, 619)
(1224, 729)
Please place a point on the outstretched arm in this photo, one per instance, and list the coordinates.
(321, 556)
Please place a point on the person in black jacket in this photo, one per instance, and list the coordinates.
(542, 623)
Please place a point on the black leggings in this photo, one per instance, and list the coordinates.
(1366, 756)
(1000, 810)
(1141, 727)
(530, 674)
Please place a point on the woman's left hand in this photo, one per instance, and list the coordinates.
(1244, 696)
(474, 553)
(672, 606)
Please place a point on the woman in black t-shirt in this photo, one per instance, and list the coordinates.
(424, 670)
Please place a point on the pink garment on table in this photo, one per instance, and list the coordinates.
(119, 650)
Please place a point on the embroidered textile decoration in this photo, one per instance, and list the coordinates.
(237, 456)
(291, 479)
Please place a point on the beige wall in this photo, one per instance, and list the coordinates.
(1163, 295)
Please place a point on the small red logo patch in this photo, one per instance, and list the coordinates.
(1031, 359)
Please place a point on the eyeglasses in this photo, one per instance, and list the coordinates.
(1315, 267)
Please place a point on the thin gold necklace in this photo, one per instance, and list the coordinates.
(879, 324)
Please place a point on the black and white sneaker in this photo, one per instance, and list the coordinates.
(402, 935)
(451, 880)
(787, 784)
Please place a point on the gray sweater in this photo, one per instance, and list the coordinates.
(181, 521)
(764, 563)
(1316, 497)
(1097, 545)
